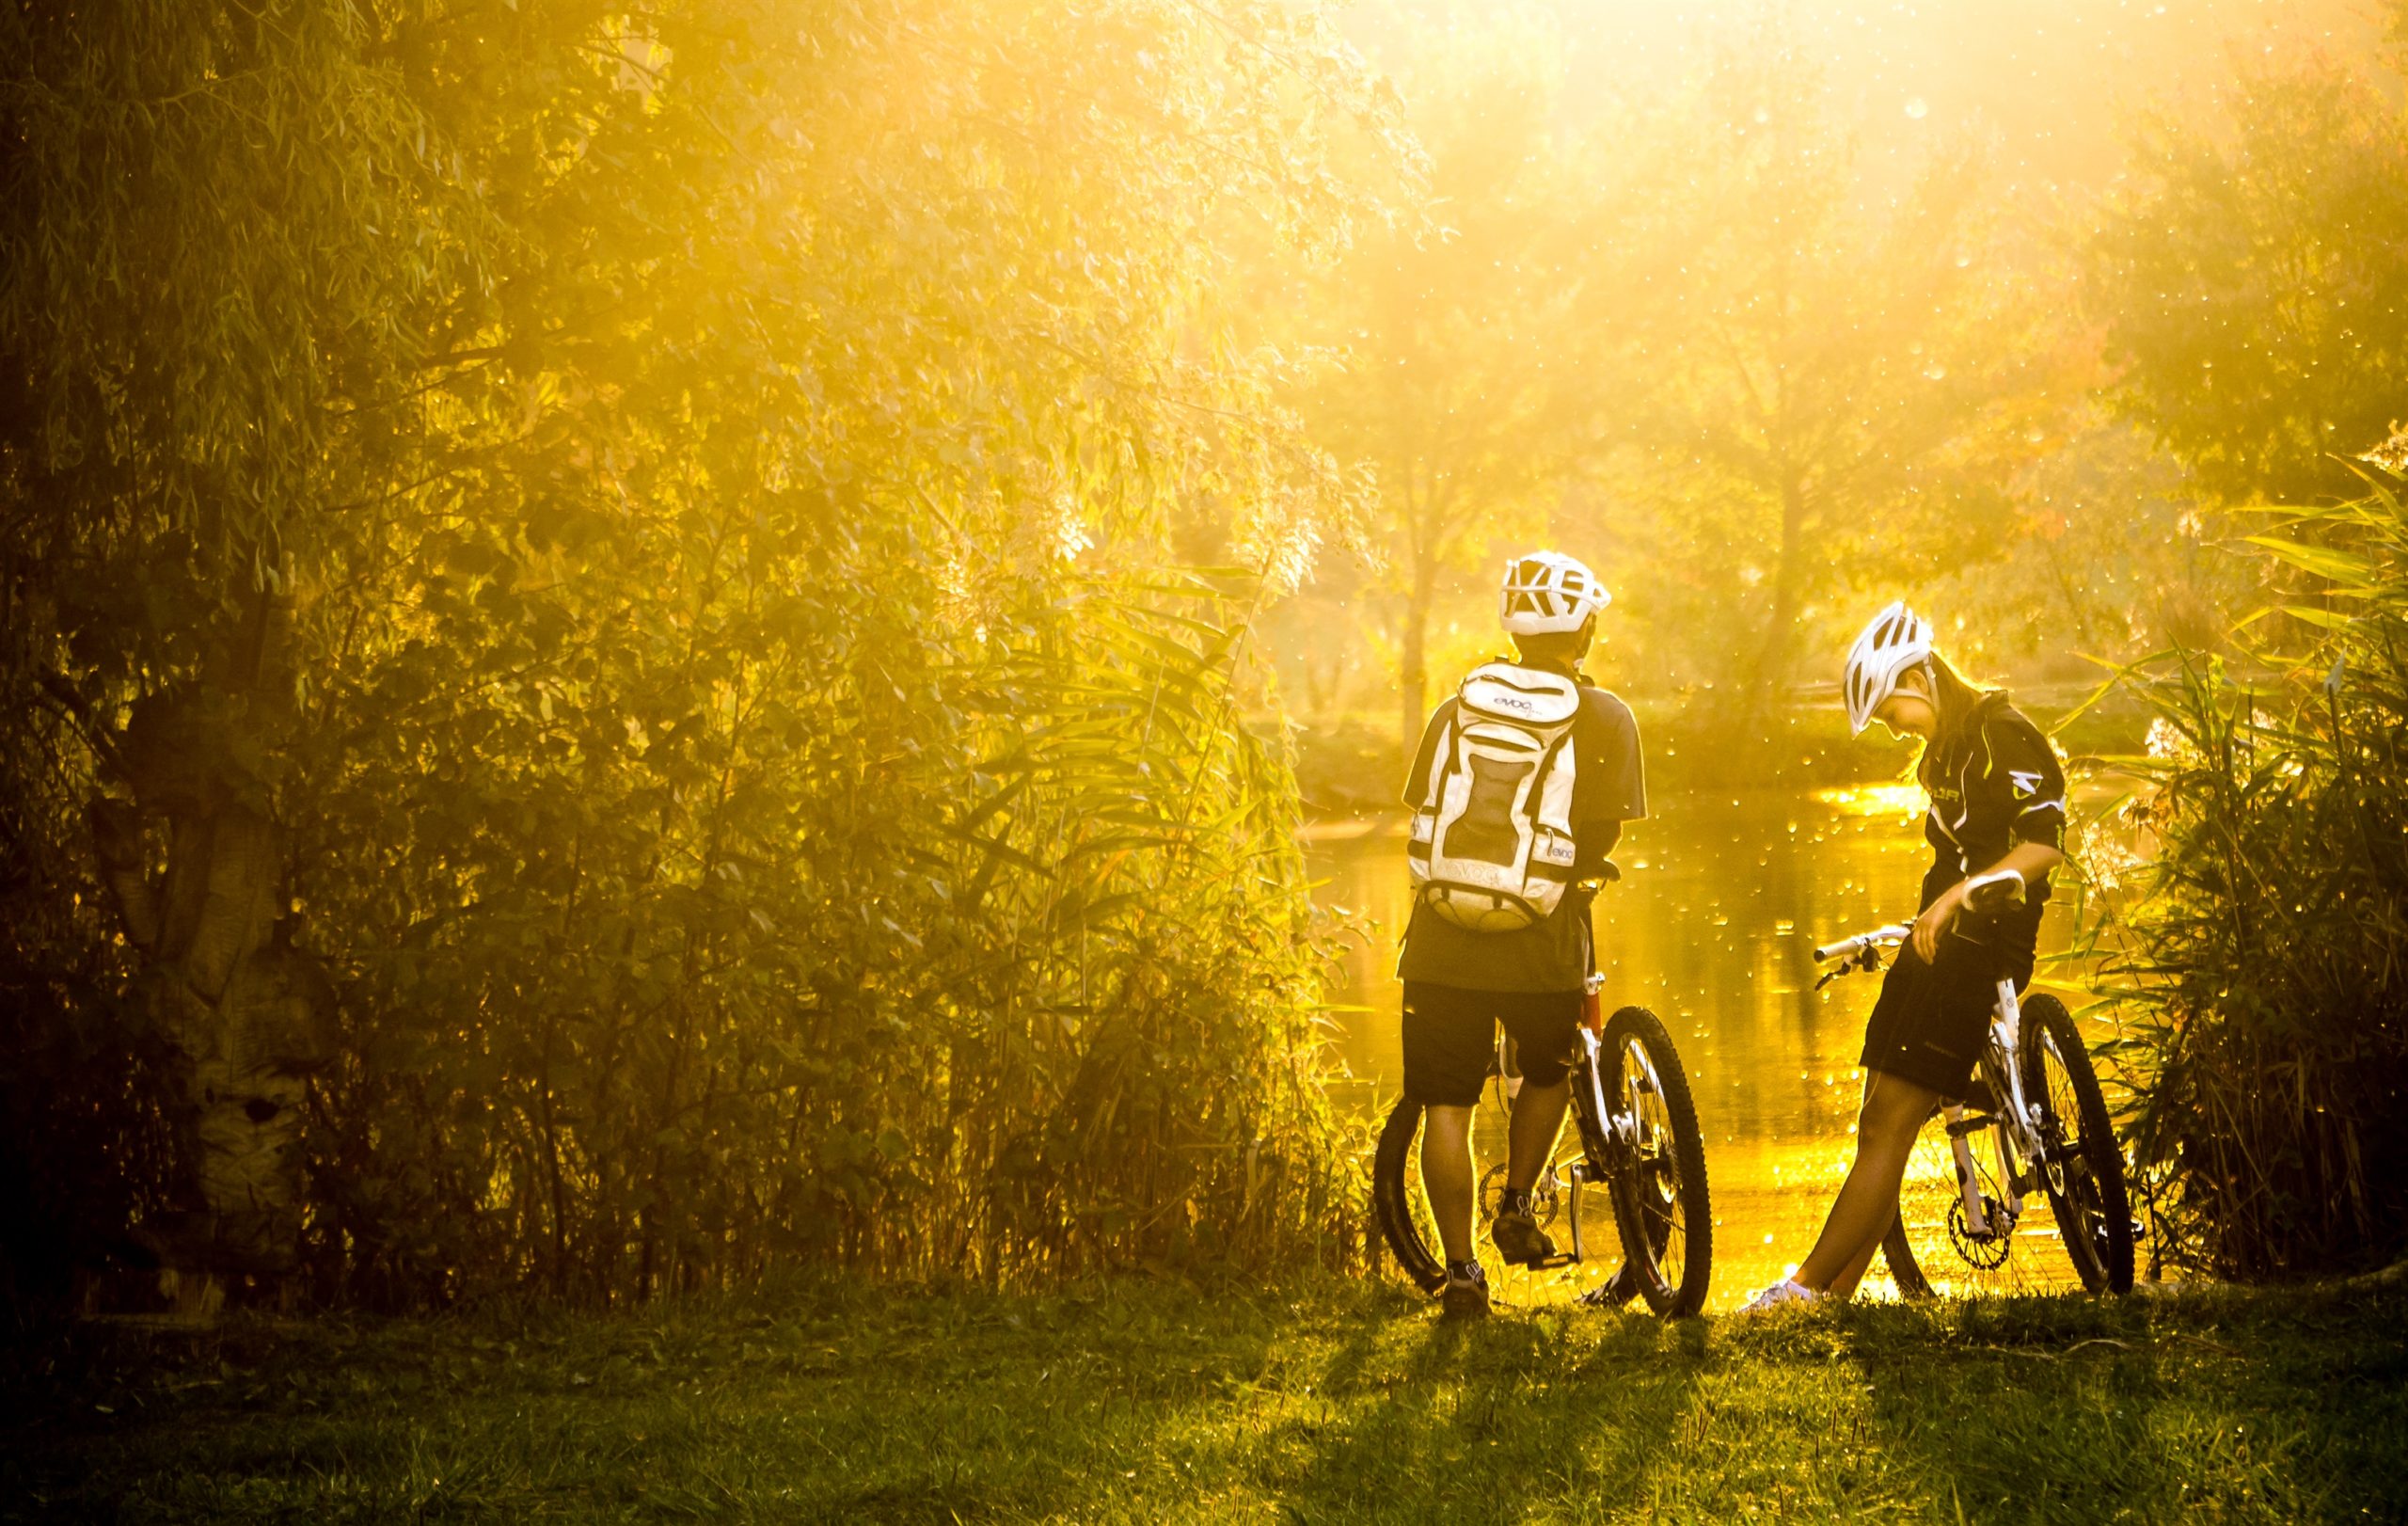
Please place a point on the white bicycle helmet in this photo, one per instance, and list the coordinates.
(1548, 591)
(1898, 640)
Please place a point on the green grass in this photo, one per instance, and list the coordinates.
(1141, 1401)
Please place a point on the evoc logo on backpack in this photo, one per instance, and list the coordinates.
(1492, 845)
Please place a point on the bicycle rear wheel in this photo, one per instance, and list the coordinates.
(1898, 1254)
(1657, 1176)
(2083, 1170)
(1398, 1202)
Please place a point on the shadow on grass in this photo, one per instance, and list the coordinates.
(1328, 1402)
(2022, 1409)
(1483, 1421)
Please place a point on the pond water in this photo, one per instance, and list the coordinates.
(1722, 900)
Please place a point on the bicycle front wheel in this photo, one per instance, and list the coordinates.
(2082, 1170)
(1658, 1171)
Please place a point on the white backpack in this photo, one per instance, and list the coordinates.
(1492, 845)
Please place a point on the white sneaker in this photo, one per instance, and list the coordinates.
(1780, 1292)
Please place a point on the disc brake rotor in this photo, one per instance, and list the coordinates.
(1987, 1251)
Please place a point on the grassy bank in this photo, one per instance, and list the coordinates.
(1327, 1402)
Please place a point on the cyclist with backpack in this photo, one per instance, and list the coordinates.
(1997, 804)
(1519, 791)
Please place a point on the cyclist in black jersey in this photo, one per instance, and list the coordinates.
(1997, 803)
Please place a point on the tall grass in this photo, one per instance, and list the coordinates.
(2265, 948)
(988, 956)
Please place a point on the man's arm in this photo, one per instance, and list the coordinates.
(1596, 841)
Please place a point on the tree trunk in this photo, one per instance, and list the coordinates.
(1412, 670)
(244, 1013)
(1777, 653)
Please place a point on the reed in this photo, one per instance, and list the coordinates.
(994, 960)
(2262, 972)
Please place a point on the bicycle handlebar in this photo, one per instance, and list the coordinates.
(1896, 933)
(1985, 893)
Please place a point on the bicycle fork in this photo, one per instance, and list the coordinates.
(1588, 1115)
(1969, 1181)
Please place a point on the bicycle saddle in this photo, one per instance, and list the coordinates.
(1607, 872)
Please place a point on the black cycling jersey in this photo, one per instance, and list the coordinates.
(1994, 782)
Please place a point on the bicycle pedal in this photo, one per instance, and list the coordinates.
(1973, 1124)
(1549, 1264)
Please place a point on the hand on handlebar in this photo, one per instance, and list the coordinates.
(1925, 939)
(1983, 894)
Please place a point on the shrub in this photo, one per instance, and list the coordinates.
(2266, 1004)
(592, 687)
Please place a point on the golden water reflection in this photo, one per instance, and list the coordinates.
(1720, 904)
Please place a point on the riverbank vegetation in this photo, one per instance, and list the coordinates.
(600, 698)
(645, 651)
(1324, 1401)
(2265, 932)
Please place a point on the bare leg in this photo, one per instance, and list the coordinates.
(1446, 1175)
(1844, 1285)
(1538, 1116)
(1893, 1112)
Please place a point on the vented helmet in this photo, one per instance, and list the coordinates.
(1548, 591)
(1898, 640)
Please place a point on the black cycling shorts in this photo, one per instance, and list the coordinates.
(1932, 1020)
(1451, 1038)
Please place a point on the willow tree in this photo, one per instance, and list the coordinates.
(1821, 385)
(577, 556)
(2249, 282)
(1456, 374)
(227, 246)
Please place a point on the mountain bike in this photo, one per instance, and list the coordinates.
(1638, 1142)
(2036, 1102)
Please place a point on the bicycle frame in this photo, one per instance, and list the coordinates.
(1593, 1123)
(2016, 1119)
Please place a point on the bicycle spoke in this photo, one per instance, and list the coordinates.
(1649, 1153)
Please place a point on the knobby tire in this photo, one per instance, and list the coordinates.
(1393, 1176)
(2103, 1259)
(1679, 1290)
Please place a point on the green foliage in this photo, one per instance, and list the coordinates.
(1819, 395)
(2251, 285)
(1456, 379)
(989, 960)
(756, 792)
(2264, 1031)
